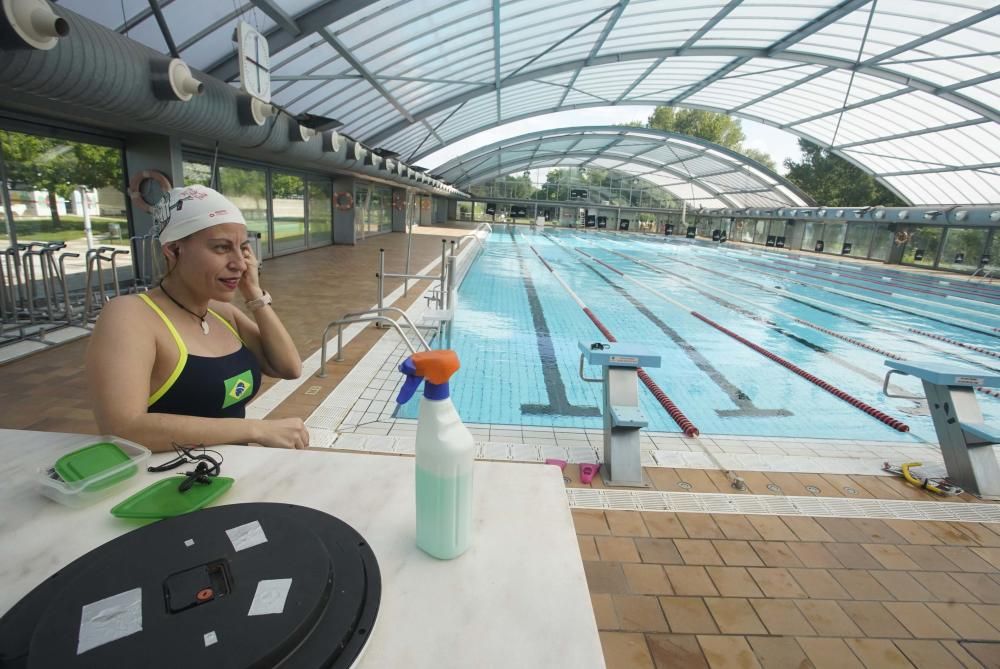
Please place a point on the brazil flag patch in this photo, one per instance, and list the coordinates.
(237, 388)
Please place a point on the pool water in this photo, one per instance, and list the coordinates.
(517, 331)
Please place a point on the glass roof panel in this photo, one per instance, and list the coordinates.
(428, 55)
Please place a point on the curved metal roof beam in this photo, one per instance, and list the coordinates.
(722, 197)
(504, 168)
(877, 71)
(611, 132)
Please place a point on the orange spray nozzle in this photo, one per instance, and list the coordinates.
(436, 366)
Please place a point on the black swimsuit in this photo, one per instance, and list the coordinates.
(206, 387)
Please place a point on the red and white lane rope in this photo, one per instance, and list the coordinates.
(955, 342)
(839, 310)
(672, 409)
(815, 380)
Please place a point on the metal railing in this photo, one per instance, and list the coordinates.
(444, 294)
(35, 291)
(988, 273)
(366, 317)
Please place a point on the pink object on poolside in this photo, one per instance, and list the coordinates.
(561, 464)
(587, 472)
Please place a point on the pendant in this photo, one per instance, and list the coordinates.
(204, 326)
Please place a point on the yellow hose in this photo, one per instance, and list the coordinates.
(926, 483)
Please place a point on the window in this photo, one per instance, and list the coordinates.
(963, 248)
(361, 195)
(923, 246)
(859, 236)
(288, 207)
(197, 173)
(834, 237)
(320, 212)
(247, 188)
(882, 242)
(809, 237)
(58, 187)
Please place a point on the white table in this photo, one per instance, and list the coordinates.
(517, 598)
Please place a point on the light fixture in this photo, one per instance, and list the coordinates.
(172, 80)
(333, 142)
(821, 212)
(840, 213)
(33, 24)
(299, 133)
(995, 215)
(254, 111)
(879, 214)
(931, 214)
(961, 215)
(903, 214)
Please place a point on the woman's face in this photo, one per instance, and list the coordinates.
(211, 261)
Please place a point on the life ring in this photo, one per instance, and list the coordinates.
(739, 225)
(425, 203)
(902, 237)
(398, 203)
(135, 187)
(343, 201)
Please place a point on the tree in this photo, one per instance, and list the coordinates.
(718, 128)
(58, 166)
(834, 182)
(761, 157)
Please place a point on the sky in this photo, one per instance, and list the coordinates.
(778, 143)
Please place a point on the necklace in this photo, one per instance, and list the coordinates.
(204, 323)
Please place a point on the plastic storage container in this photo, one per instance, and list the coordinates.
(91, 470)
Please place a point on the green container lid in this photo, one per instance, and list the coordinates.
(164, 499)
(93, 461)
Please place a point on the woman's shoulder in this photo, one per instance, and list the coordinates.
(132, 308)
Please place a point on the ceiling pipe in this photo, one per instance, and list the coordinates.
(100, 78)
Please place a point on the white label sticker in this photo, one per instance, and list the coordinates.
(211, 639)
(110, 619)
(968, 381)
(270, 597)
(247, 536)
(189, 543)
(623, 359)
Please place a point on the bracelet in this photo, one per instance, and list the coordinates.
(262, 301)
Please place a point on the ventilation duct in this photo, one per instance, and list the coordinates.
(100, 78)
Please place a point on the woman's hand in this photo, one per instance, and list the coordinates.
(283, 433)
(250, 281)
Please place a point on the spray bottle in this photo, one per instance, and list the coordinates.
(445, 453)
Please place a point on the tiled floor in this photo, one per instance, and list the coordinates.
(669, 589)
(694, 590)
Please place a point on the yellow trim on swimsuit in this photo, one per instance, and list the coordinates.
(228, 325)
(181, 360)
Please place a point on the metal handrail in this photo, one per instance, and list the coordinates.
(987, 273)
(397, 310)
(340, 323)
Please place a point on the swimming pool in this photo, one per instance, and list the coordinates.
(518, 326)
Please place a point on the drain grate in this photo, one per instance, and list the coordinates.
(832, 507)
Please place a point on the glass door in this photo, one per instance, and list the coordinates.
(320, 212)
(247, 189)
(288, 207)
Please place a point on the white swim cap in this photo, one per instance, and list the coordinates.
(194, 208)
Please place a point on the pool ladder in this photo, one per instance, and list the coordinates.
(369, 316)
(987, 273)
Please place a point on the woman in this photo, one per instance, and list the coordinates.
(180, 363)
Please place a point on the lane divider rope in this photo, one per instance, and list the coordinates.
(815, 380)
(671, 408)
